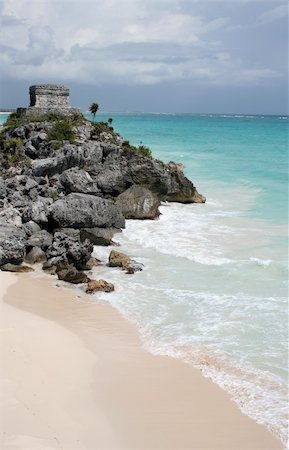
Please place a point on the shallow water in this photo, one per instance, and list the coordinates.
(215, 286)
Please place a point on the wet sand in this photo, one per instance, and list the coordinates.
(74, 376)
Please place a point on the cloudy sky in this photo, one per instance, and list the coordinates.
(219, 56)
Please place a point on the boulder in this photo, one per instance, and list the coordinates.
(78, 180)
(118, 259)
(70, 249)
(36, 255)
(70, 155)
(12, 244)
(37, 211)
(138, 202)
(41, 239)
(16, 268)
(31, 228)
(71, 275)
(10, 216)
(85, 211)
(98, 236)
(99, 285)
(122, 169)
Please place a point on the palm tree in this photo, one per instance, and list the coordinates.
(93, 109)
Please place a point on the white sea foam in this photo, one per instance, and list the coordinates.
(163, 317)
(211, 293)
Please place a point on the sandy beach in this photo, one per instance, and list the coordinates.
(74, 376)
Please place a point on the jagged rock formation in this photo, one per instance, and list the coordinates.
(67, 184)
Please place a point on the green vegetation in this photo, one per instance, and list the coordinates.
(16, 120)
(102, 127)
(11, 152)
(62, 130)
(93, 109)
(141, 150)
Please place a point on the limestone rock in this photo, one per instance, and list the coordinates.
(138, 202)
(36, 255)
(72, 275)
(85, 211)
(98, 236)
(78, 180)
(10, 216)
(118, 259)
(16, 268)
(99, 285)
(41, 239)
(31, 228)
(37, 211)
(3, 192)
(12, 244)
(70, 249)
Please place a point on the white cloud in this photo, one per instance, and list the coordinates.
(118, 41)
(277, 13)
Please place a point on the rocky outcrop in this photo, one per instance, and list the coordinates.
(78, 180)
(60, 196)
(138, 202)
(85, 211)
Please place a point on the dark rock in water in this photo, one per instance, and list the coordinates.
(16, 268)
(138, 202)
(118, 259)
(99, 285)
(98, 236)
(12, 244)
(36, 255)
(85, 211)
(40, 239)
(71, 275)
(78, 180)
(134, 266)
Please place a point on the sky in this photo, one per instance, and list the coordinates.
(190, 56)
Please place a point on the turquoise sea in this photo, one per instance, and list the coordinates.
(214, 291)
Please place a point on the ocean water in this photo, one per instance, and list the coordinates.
(214, 290)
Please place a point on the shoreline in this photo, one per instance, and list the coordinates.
(80, 379)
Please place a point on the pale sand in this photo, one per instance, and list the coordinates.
(74, 376)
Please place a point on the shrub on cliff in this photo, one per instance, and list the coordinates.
(16, 120)
(141, 150)
(62, 131)
(11, 152)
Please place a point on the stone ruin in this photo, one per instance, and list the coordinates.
(49, 98)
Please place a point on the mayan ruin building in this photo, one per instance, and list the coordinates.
(49, 98)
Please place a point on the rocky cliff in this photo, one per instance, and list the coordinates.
(68, 183)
